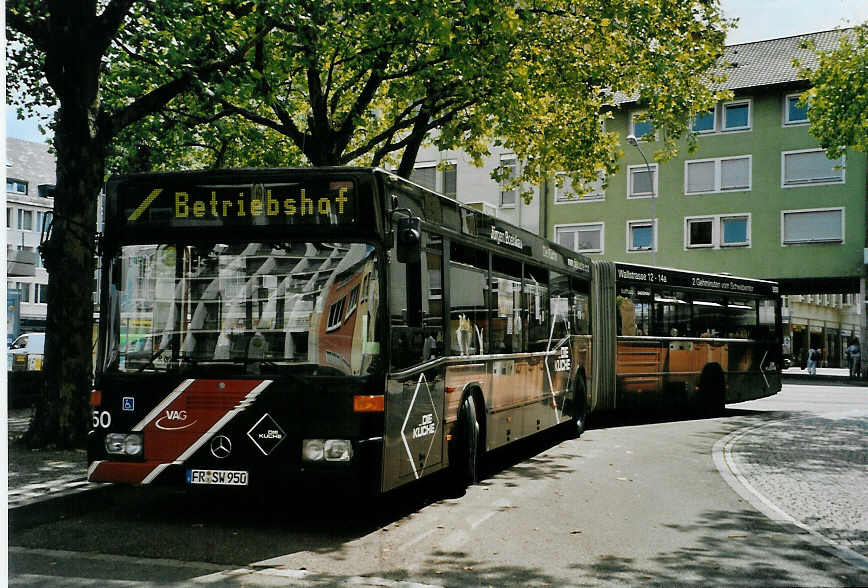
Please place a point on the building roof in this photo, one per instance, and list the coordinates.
(30, 162)
(770, 62)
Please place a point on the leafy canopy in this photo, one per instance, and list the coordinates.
(339, 82)
(838, 98)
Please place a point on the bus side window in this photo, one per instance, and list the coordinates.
(506, 312)
(416, 306)
(536, 301)
(468, 296)
(580, 305)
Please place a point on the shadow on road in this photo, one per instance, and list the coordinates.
(728, 549)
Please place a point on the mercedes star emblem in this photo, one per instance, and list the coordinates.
(221, 446)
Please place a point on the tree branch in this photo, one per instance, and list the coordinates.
(109, 22)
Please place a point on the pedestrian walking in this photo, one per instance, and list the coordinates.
(854, 353)
(813, 358)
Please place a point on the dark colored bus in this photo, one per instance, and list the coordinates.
(343, 325)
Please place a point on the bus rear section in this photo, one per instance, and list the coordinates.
(679, 339)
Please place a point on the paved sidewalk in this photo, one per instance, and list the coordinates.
(813, 468)
(35, 476)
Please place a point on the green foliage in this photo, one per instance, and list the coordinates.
(367, 83)
(838, 98)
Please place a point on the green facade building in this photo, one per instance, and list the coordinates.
(757, 198)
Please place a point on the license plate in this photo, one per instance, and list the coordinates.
(217, 477)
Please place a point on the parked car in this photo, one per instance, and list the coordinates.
(26, 352)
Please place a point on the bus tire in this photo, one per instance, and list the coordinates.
(712, 390)
(466, 463)
(579, 420)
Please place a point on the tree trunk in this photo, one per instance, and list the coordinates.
(61, 418)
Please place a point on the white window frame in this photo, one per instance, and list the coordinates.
(784, 213)
(723, 217)
(713, 123)
(718, 166)
(576, 227)
(716, 221)
(632, 126)
(561, 194)
(695, 219)
(22, 214)
(655, 172)
(515, 166)
(749, 126)
(784, 183)
(631, 224)
(786, 114)
(15, 185)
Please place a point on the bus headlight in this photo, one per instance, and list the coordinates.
(338, 450)
(312, 449)
(124, 444)
(326, 450)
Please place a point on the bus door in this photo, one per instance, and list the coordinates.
(414, 441)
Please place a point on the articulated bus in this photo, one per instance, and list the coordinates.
(345, 326)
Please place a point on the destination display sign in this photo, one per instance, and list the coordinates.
(682, 279)
(180, 204)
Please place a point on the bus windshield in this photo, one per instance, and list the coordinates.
(256, 304)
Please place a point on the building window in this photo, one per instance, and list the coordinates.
(810, 166)
(736, 116)
(9, 214)
(25, 220)
(509, 168)
(724, 174)
(705, 122)
(585, 237)
(641, 129)
(734, 231)
(23, 291)
(16, 186)
(42, 293)
(43, 220)
(450, 178)
(700, 232)
(825, 225)
(425, 174)
(714, 232)
(642, 183)
(566, 193)
(793, 113)
(641, 235)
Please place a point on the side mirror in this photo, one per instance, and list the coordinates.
(409, 239)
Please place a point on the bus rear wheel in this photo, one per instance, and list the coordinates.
(712, 390)
(465, 466)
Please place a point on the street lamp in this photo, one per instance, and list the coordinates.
(632, 140)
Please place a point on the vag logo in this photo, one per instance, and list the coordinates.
(174, 420)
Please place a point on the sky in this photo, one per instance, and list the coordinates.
(758, 20)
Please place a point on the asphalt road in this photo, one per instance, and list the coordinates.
(628, 502)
